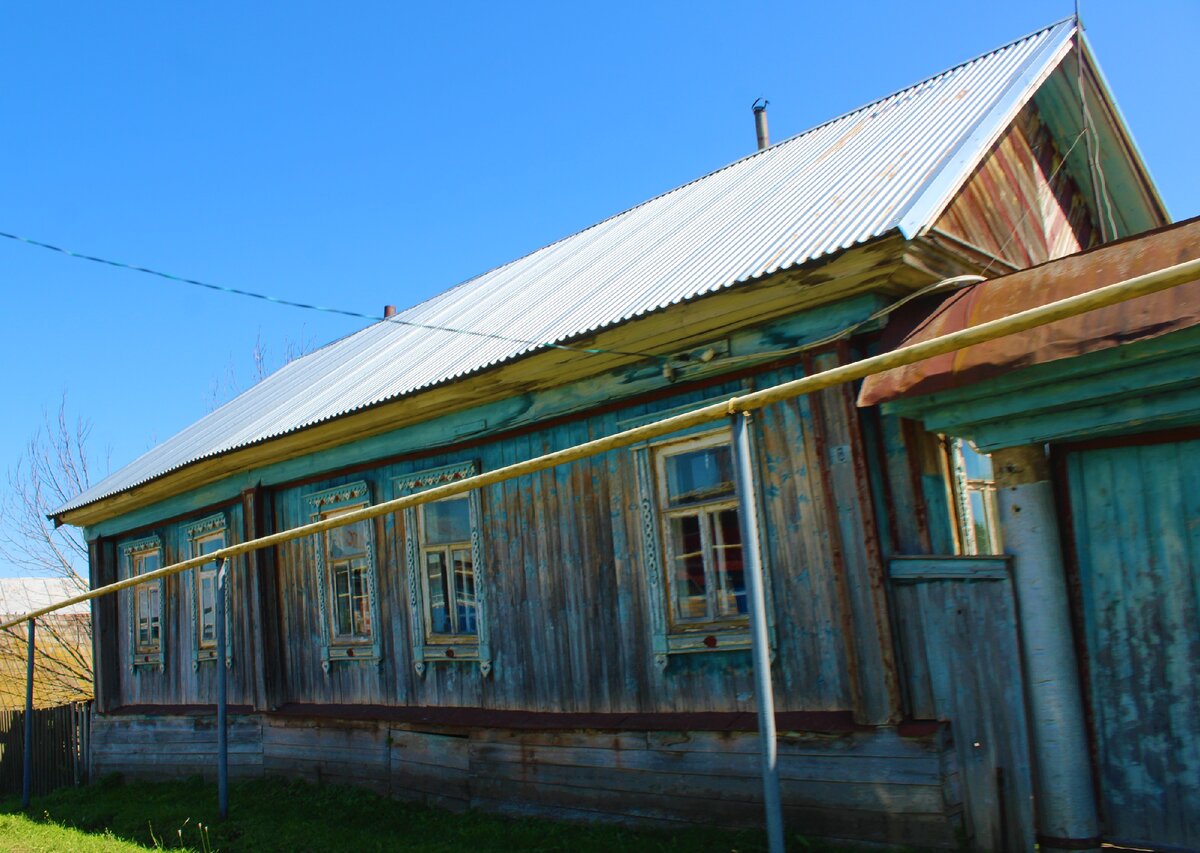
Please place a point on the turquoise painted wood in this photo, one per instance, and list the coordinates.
(1136, 522)
(1126, 389)
(957, 631)
(518, 411)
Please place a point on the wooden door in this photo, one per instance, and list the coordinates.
(1135, 516)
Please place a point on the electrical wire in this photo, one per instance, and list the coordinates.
(323, 308)
(1025, 214)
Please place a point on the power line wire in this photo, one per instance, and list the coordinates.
(326, 309)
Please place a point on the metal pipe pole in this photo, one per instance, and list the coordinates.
(743, 467)
(222, 711)
(27, 757)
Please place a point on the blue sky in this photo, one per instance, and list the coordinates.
(371, 153)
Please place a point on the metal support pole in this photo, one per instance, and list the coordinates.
(27, 757)
(743, 466)
(222, 711)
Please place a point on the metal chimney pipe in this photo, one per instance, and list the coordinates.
(389, 311)
(760, 123)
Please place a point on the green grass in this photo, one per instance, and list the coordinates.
(275, 815)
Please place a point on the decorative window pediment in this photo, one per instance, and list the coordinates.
(203, 537)
(146, 629)
(345, 578)
(447, 579)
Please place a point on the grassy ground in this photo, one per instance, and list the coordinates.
(274, 815)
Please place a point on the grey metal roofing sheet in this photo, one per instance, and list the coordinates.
(886, 166)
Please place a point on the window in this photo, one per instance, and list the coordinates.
(204, 537)
(445, 572)
(692, 547)
(145, 602)
(449, 569)
(345, 560)
(974, 487)
(703, 539)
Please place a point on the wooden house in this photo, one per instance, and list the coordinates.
(575, 643)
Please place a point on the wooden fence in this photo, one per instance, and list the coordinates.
(61, 739)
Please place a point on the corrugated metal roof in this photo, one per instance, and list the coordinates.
(859, 176)
(21, 595)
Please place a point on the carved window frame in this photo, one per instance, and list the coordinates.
(717, 635)
(132, 553)
(969, 514)
(427, 649)
(321, 505)
(194, 533)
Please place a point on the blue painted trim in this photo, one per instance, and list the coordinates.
(522, 410)
(189, 532)
(1127, 388)
(146, 544)
(935, 567)
(941, 187)
(351, 494)
(463, 650)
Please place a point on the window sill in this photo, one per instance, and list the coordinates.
(147, 660)
(451, 653)
(365, 653)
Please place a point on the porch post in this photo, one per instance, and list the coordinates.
(1066, 806)
(743, 466)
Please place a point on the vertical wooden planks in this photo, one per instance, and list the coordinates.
(964, 631)
(1136, 526)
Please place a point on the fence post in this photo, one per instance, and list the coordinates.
(27, 757)
(743, 466)
(222, 721)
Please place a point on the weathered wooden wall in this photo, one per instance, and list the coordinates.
(1019, 205)
(179, 682)
(567, 588)
(867, 785)
(1135, 519)
(957, 625)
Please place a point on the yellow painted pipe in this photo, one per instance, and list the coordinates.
(1102, 297)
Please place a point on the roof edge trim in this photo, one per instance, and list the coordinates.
(950, 177)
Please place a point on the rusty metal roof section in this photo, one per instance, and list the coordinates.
(1139, 319)
(886, 167)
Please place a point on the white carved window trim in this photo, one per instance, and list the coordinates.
(427, 647)
(134, 554)
(196, 533)
(325, 504)
(667, 638)
(965, 488)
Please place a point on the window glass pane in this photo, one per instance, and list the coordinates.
(341, 598)
(348, 541)
(439, 594)
(689, 588)
(464, 591)
(208, 608)
(699, 475)
(726, 538)
(360, 600)
(447, 521)
(976, 465)
(147, 563)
